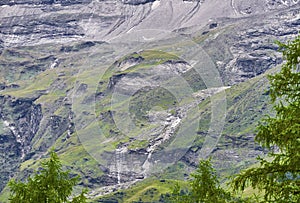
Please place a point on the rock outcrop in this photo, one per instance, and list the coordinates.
(20, 119)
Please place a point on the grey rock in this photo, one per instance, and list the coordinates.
(21, 119)
(44, 2)
(136, 2)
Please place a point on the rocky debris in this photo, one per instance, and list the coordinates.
(257, 7)
(69, 20)
(178, 66)
(44, 2)
(190, 158)
(129, 62)
(203, 94)
(248, 49)
(63, 21)
(109, 189)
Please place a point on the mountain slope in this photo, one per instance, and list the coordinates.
(103, 81)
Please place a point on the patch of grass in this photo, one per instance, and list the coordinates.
(138, 144)
(149, 190)
(29, 88)
(177, 171)
(144, 101)
(31, 163)
(4, 195)
(150, 59)
(80, 161)
(157, 54)
(247, 104)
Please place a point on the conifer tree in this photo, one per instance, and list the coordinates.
(204, 187)
(278, 176)
(50, 185)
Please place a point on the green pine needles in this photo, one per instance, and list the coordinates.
(50, 185)
(204, 187)
(279, 176)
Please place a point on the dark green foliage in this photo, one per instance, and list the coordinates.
(279, 176)
(204, 187)
(50, 185)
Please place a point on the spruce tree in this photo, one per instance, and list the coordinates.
(50, 185)
(278, 175)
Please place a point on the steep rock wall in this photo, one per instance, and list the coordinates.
(20, 119)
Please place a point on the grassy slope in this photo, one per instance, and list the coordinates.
(246, 105)
(248, 101)
(149, 190)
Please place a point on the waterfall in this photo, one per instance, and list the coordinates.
(17, 135)
(121, 164)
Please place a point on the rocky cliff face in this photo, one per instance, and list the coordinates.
(20, 119)
(59, 67)
(41, 21)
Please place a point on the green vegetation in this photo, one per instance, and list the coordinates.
(204, 187)
(50, 185)
(144, 101)
(279, 177)
(149, 190)
(138, 144)
(247, 102)
(276, 179)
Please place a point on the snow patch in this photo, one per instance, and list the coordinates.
(6, 123)
(155, 5)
